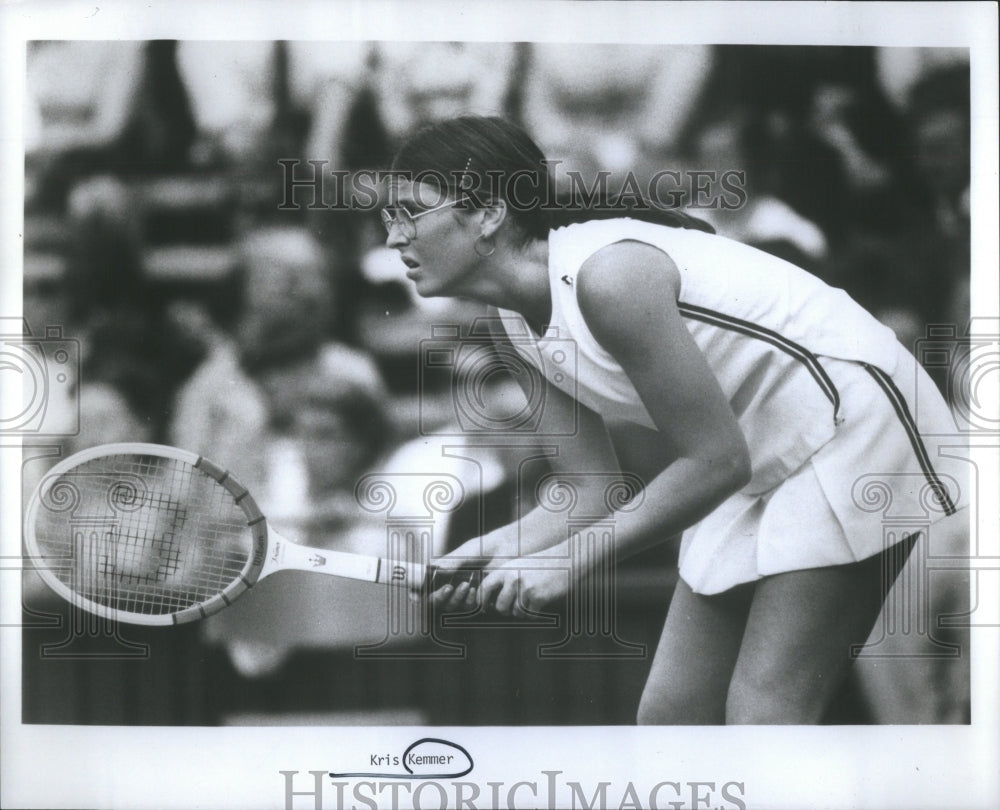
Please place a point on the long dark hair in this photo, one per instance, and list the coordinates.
(480, 158)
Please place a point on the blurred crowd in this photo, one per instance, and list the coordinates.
(285, 343)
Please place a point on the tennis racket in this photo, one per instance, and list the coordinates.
(154, 535)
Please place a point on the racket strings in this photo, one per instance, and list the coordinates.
(145, 534)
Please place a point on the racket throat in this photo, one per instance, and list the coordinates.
(284, 554)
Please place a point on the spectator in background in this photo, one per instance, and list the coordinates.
(128, 340)
(258, 102)
(324, 79)
(900, 69)
(618, 108)
(421, 82)
(766, 220)
(80, 93)
(245, 393)
(917, 273)
(330, 88)
(825, 134)
(937, 246)
(340, 430)
(144, 360)
(342, 425)
(110, 416)
(298, 420)
(365, 98)
(100, 115)
(102, 107)
(287, 302)
(104, 269)
(870, 196)
(220, 410)
(938, 114)
(230, 86)
(337, 433)
(292, 414)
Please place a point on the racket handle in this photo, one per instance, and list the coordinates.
(439, 577)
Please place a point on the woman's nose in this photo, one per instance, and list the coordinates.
(395, 237)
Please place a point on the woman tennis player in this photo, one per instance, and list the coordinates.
(775, 399)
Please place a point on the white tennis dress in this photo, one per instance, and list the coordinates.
(828, 400)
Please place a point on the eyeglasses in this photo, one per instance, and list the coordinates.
(405, 220)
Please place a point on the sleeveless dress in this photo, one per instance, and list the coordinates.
(846, 431)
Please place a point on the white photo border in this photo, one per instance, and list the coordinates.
(830, 767)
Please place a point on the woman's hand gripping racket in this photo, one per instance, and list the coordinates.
(148, 534)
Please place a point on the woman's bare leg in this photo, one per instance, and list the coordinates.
(796, 650)
(694, 661)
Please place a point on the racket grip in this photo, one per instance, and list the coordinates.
(439, 577)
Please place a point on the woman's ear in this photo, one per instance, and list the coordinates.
(492, 217)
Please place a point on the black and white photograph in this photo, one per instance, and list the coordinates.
(543, 404)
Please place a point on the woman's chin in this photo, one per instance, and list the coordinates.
(425, 288)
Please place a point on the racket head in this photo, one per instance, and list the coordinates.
(145, 534)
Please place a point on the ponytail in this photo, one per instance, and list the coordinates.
(570, 212)
(485, 153)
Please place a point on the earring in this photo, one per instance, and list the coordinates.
(487, 251)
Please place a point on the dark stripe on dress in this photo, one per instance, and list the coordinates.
(903, 412)
(800, 353)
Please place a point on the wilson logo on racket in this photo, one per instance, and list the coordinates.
(154, 535)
